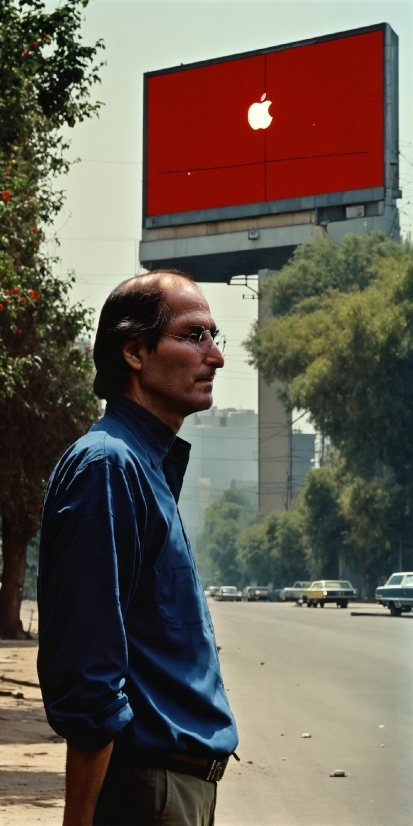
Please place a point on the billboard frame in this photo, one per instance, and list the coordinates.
(257, 209)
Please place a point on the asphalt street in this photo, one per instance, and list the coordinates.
(347, 681)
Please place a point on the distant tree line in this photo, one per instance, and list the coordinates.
(297, 544)
(340, 337)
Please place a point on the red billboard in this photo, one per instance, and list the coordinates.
(306, 119)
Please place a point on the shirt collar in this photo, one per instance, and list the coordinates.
(156, 437)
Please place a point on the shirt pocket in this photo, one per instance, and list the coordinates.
(177, 595)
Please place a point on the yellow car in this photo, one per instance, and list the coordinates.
(339, 591)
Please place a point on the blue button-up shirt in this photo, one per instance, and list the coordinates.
(125, 632)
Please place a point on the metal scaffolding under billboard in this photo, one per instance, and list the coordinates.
(247, 156)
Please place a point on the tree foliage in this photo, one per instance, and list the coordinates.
(274, 550)
(254, 557)
(341, 336)
(291, 546)
(378, 539)
(45, 370)
(224, 520)
(325, 527)
(246, 550)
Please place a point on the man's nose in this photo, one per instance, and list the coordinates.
(214, 356)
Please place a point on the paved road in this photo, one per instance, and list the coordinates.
(348, 681)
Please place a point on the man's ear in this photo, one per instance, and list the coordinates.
(131, 354)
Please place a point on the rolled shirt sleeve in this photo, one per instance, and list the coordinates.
(89, 564)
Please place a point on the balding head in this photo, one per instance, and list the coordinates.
(136, 309)
(160, 278)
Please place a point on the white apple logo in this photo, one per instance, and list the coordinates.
(258, 114)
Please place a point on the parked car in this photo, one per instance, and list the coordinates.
(211, 590)
(256, 593)
(339, 591)
(397, 593)
(295, 592)
(228, 593)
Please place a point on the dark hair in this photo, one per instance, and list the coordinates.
(135, 309)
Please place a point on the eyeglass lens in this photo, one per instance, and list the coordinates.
(205, 339)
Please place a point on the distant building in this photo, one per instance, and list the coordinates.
(224, 455)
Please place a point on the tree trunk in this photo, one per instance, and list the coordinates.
(15, 540)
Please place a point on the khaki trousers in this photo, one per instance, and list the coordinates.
(145, 796)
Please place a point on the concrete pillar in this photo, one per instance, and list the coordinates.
(274, 439)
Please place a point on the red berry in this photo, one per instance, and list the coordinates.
(36, 43)
(25, 52)
(6, 195)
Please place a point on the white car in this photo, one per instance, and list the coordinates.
(228, 593)
(295, 592)
(211, 590)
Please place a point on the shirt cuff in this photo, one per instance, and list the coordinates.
(89, 733)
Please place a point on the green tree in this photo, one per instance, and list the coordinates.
(291, 546)
(377, 534)
(325, 526)
(274, 550)
(254, 557)
(45, 370)
(341, 336)
(224, 519)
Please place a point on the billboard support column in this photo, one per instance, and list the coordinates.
(274, 439)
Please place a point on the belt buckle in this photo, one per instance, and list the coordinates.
(216, 771)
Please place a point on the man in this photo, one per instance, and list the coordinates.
(127, 659)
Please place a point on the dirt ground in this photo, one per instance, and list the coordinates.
(32, 756)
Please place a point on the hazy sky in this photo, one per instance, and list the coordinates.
(100, 227)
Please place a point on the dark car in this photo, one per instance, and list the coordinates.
(397, 593)
(256, 593)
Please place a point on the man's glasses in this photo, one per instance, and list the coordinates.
(202, 339)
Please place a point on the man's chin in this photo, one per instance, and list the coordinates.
(203, 401)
